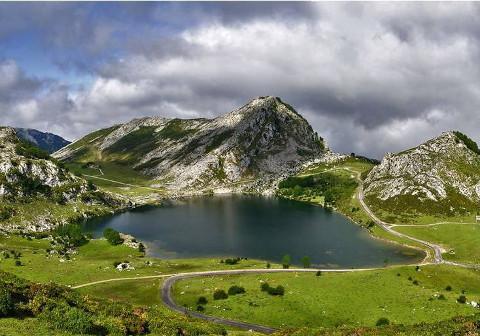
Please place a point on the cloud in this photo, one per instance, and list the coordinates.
(370, 77)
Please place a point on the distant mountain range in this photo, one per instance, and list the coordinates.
(248, 149)
(47, 141)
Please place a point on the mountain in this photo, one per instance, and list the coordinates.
(248, 149)
(439, 177)
(37, 193)
(47, 141)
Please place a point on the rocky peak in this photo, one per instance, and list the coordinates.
(444, 168)
(248, 147)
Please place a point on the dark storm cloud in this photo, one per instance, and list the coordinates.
(370, 77)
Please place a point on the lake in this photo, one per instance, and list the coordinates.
(254, 227)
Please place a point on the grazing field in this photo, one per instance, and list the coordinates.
(95, 261)
(461, 241)
(403, 295)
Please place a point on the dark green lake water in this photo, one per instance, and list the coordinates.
(254, 227)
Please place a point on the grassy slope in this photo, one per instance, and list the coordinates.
(460, 241)
(94, 261)
(332, 300)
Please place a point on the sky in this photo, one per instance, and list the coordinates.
(371, 78)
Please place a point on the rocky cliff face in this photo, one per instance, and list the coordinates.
(444, 170)
(248, 149)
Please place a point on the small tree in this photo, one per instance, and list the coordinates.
(112, 236)
(141, 248)
(306, 262)
(318, 273)
(462, 299)
(264, 287)
(234, 290)
(382, 321)
(268, 265)
(286, 260)
(18, 263)
(202, 300)
(220, 294)
(200, 308)
(448, 288)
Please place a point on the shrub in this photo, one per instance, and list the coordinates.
(448, 288)
(318, 273)
(141, 248)
(441, 297)
(70, 319)
(382, 321)
(202, 300)
(220, 294)
(29, 150)
(200, 308)
(233, 261)
(116, 263)
(415, 282)
(462, 299)
(6, 303)
(264, 287)
(234, 290)
(276, 291)
(268, 265)
(72, 233)
(112, 236)
(18, 263)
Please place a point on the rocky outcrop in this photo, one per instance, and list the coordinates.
(443, 169)
(28, 175)
(248, 149)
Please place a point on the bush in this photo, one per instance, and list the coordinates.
(233, 261)
(415, 282)
(448, 288)
(70, 319)
(441, 297)
(268, 265)
(318, 273)
(382, 321)
(200, 308)
(220, 294)
(234, 290)
(202, 300)
(18, 263)
(286, 260)
(6, 303)
(112, 236)
(141, 248)
(462, 299)
(116, 263)
(276, 291)
(72, 234)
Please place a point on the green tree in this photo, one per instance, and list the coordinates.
(112, 236)
(306, 262)
(220, 294)
(141, 248)
(286, 260)
(234, 290)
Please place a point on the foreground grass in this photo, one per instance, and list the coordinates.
(460, 240)
(340, 299)
(94, 262)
